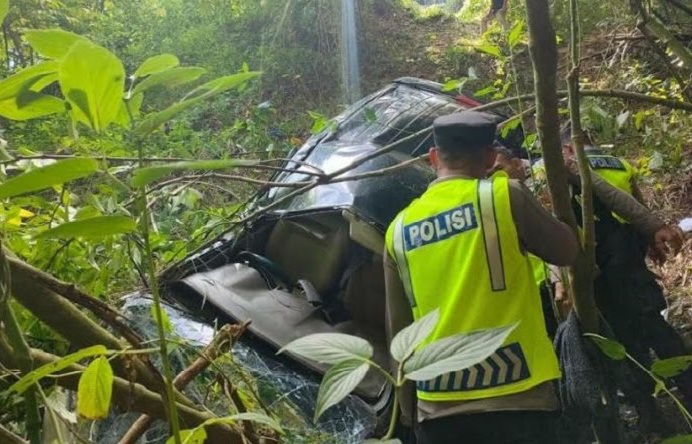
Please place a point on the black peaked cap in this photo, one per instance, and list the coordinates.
(467, 129)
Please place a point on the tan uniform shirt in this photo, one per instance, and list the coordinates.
(546, 237)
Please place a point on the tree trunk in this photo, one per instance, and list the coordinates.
(543, 49)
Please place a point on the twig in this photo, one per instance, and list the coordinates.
(261, 165)
(10, 438)
(225, 339)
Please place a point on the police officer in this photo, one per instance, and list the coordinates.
(462, 248)
(627, 292)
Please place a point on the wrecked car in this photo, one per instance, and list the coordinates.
(312, 262)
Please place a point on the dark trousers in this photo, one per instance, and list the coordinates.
(645, 332)
(521, 427)
(630, 300)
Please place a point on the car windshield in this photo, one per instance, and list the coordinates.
(392, 115)
(401, 112)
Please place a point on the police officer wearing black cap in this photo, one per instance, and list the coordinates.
(461, 248)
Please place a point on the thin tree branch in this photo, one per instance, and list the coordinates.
(224, 340)
(10, 438)
(261, 165)
(583, 278)
(131, 396)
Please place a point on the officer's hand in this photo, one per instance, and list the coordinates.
(562, 300)
(667, 241)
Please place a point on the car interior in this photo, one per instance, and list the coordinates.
(312, 273)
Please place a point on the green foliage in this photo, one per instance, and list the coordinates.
(350, 357)
(671, 367)
(4, 9)
(156, 64)
(95, 389)
(680, 439)
(48, 176)
(92, 228)
(330, 348)
(340, 380)
(455, 353)
(32, 378)
(408, 339)
(198, 434)
(92, 80)
(193, 436)
(144, 176)
(169, 78)
(53, 43)
(609, 347)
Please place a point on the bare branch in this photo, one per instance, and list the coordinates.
(10, 438)
(224, 340)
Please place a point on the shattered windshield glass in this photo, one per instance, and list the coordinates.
(259, 378)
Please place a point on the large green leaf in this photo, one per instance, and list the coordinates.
(330, 348)
(338, 382)
(52, 43)
(679, 439)
(30, 379)
(147, 175)
(455, 353)
(490, 49)
(170, 78)
(4, 9)
(48, 176)
(612, 349)
(671, 367)
(514, 37)
(156, 64)
(221, 84)
(92, 228)
(95, 389)
(24, 79)
(408, 339)
(92, 80)
(30, 105)
(203, 92)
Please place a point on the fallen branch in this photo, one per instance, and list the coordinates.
(63, 317)
(224, 340)
(70, 292)
(261, 165)
(8, 437)
(133, 397)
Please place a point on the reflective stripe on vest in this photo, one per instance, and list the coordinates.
(507, 365)
(457, 249)
(491, 237)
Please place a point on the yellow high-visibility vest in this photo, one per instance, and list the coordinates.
(617, 172)
(457, 250)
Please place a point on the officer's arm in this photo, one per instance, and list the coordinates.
(539, 232)
(637, 192)
(398, 315)
(627, 207)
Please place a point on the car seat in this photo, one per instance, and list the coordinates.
(313, 249)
